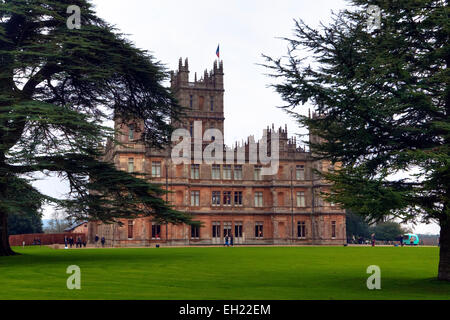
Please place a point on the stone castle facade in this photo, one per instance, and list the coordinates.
(230, 199)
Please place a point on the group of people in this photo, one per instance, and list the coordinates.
(70, 242)
(79, 243)
(102, 240)
(361, 240)
(228, 241)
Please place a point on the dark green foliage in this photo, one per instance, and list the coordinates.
(382, 104)
(30, 222)
(57, 87)
(387, 231)
(356, 226)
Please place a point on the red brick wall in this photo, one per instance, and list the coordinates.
(46, 239)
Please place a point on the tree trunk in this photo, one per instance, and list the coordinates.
(444, 254)
(5, 249)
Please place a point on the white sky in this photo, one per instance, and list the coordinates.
(245, 30)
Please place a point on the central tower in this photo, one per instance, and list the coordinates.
(202, 99)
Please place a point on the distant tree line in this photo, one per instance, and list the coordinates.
(25, 223)
(358, 226)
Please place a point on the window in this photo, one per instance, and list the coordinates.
(215, 172)
(227, 172)
(130, 164)
(215, 198)
(227, 229)
(195, 198)
(333, 229)
(237, 172)
(195, 232)
(259, 231)
(195, 171)
(301, 229)
(238, 229)
(191, 101)
(257, 173)
(130, 229)
(258, 199)
(131, 132)
(191, 128)
(156, 169)
(300, 172)
(300, 199)
(238, 198)
(212, 103)
(156, 231)
(227, 198)
(216, 229)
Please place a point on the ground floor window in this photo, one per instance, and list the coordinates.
(238, 229)
(130, 229)
(195, 232)
(216, 230)
(259, 230)
(156, 231)
(227, 229)
(333, 229)
(301, 229)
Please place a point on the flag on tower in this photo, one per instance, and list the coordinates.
(218, 52)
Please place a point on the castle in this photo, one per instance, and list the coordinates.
(230, 198)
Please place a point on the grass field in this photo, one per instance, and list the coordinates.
(223, 273)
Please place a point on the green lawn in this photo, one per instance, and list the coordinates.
(223, 273)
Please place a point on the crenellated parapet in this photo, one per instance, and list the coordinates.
(210, 79)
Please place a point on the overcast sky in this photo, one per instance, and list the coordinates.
(245, 30)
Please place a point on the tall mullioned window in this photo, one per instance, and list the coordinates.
(258, 199)
(238, 229)
(333, 229)
(238, 172)
(131, 132)
(195, 232)
(259, 230)
(156, 169)
(227, 229)
(191, 101)
(238, 198)
(212, 103)
(227, 198)
(300, 172)
(216, 229)
(300, 199)
(257, 173)
(215, 201)
(195, 171)
(227, 172)
(130, 164)
(215, 172)
(130, 229)
(195, 198)
(301, 229)
(156, 231)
